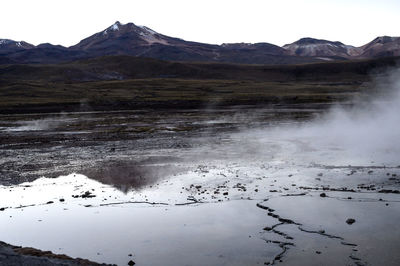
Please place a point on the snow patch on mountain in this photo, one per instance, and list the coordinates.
(148, 30)
(151, 36)
(114, 27)
(4, 41)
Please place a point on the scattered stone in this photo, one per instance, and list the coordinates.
(320, 174)
(62, 200)
(225, 193)
(350, 221)
(348, 244)
(322, 195)
(131, 262)
(389, 191)
(294, 194)
(88, 194)
(318, 252)
(352, 172)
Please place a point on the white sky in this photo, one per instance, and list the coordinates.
(66, 22)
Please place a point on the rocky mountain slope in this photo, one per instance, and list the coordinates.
(382, 46)
(322, 48)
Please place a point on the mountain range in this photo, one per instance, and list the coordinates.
(141, 41)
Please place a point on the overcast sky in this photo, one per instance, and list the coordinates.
(66, 22)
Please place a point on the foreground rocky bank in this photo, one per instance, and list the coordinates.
(14, 255)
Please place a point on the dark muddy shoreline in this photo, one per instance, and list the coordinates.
(13, 256)
(171, 106)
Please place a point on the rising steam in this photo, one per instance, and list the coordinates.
(368, 133)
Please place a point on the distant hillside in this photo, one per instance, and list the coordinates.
(129, 67)
(126, 82)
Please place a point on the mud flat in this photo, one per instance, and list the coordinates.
(198, 188)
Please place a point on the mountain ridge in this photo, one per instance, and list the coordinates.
(142, 41)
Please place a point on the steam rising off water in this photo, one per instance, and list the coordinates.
(366, 133)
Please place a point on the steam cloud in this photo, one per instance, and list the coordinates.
(368, 133)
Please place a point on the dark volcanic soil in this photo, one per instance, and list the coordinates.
(17, 256)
